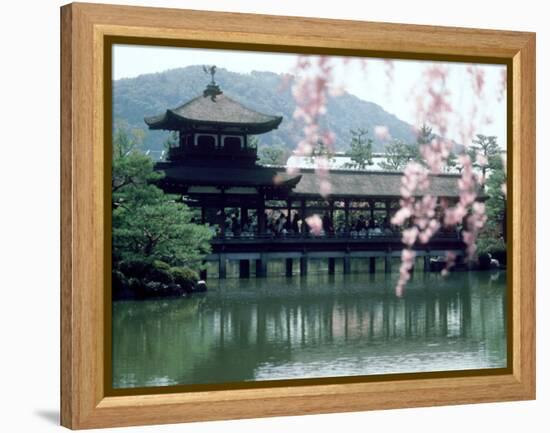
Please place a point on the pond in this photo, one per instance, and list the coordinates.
(315, 326)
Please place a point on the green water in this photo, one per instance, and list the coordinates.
(319, 326)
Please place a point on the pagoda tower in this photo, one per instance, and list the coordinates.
(212, 164)
(214, 127)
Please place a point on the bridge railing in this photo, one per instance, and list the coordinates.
(375, 237)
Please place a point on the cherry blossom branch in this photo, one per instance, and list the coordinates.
(310, 91)
(313, 85)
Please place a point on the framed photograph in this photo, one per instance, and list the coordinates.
(265, 215)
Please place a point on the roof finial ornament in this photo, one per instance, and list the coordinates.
(212, 89)
(210, 70)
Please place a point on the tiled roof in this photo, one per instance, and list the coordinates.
(355, 183)
(344, 183)
(219, 111)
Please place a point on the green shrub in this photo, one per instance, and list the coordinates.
(152, 289)
(159, 276)
(490, 245)
(185, 277)
(159, 264)
(134, 285)
(135, 268)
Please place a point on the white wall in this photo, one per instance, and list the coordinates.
(29, 219)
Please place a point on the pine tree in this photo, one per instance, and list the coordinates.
(148, 224)
(360, 151)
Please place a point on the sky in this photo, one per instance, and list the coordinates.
(397, 96)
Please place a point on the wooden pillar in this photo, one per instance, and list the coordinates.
(203, 215)
(261, 266)
(371, 206)
(303, 215)
(222, 214)
(388, 211)
(331, 265)
(303, 265)
(261, 213)
(289, 264)
(244, 268)
(372, 265)
(346, 216)
(222, 270)
(347, 263)
(289, 209)
(244, 216)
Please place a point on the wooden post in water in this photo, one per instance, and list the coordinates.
(289, 264)
(303, 265)
(222, 272)
(261, 266)
(244, 268)
(387, 263)
(347, 263)
(372, 265)
(331, 265)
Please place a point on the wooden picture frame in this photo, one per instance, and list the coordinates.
(85, 28)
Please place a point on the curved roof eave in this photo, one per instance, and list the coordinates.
(164, 122)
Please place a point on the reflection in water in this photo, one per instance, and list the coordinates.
(319, 326)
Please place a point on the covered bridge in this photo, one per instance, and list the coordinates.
(259, 211)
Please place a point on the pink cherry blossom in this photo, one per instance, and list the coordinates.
(477, 76)
(311, 90)
(382, 133)
(315, 224)
(450, 262)
(503, 84)
(407, 263)
(313, 83)
(409, 236)
(325, 188)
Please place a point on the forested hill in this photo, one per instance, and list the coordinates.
(151, 94)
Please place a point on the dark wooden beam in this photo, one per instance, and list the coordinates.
(346, 216)
(261, 212)
(303, 215)
(222, 213)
